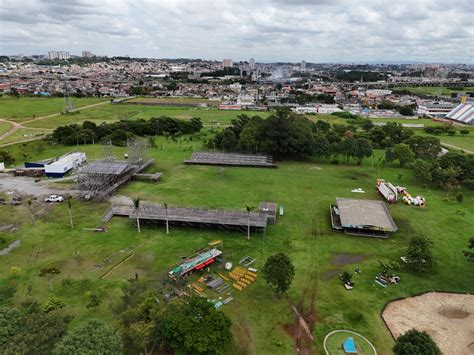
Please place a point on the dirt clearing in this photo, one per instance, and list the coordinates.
(447, 317)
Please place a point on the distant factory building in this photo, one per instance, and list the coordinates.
(227, 63)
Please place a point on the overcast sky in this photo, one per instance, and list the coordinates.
(267, 30)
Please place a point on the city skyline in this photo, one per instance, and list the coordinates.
(270, 31)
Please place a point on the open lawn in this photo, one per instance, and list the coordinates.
(433, 90)
(173, 101)
(262, 321)
(25, 108)
(110, 113)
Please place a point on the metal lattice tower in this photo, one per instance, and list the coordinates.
(68, 105)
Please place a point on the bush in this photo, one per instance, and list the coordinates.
(415, 342)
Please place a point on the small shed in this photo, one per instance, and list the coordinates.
(270, 209)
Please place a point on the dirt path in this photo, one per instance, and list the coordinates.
(57, 114)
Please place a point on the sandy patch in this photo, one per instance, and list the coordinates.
(447, 317)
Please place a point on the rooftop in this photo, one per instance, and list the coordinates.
(365, 214)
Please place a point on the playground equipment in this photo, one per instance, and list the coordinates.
(391, 193)
(408, 199)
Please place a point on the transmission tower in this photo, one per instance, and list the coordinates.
(68, 105)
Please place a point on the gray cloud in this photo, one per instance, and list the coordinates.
(269, 30)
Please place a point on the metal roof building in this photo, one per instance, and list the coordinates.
(362, 217)
(463, 113)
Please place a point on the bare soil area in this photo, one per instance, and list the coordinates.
(447, 317)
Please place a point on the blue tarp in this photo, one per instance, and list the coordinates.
(349, 346)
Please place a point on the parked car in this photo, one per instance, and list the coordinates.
(54, 198)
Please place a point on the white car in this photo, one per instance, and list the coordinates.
(54, 198)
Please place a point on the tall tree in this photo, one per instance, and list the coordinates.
(92, 337)
(419, 255)
(279, 272)
(196, 327)
(28, 330)
(403, 153)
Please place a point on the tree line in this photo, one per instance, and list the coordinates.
(285, 134)
(118, 132)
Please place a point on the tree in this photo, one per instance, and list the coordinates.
(426, 148)
(423, 170)
(6, 157)
(415, 342)
(363, 150)
(403, 153)
(69, 205)
(92, 337)
(279, 272)
(28, 330)
(406, 110)
(419, 254)
(196, 327)
(136, 205)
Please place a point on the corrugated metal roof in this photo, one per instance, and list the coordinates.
(365, 214)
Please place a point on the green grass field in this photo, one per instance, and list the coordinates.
(174, 100)
(260, 318)
(433, 90)
(4, 127)
(26, 107)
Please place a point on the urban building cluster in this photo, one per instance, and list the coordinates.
(378, 90)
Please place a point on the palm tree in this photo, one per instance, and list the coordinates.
(136, 204)
(69, 205)
(249, 209)
(30, 203)
(167, 224)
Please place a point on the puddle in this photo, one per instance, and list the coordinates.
(346, 259)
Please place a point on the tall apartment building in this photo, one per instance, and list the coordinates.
(58, 55)
(86, 54)
(303, 66)
(227, 63)
(252, 63)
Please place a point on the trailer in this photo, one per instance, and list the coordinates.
(195, 262)
(387, 190)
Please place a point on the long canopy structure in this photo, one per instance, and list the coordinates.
(231, 159)
(200, 217)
